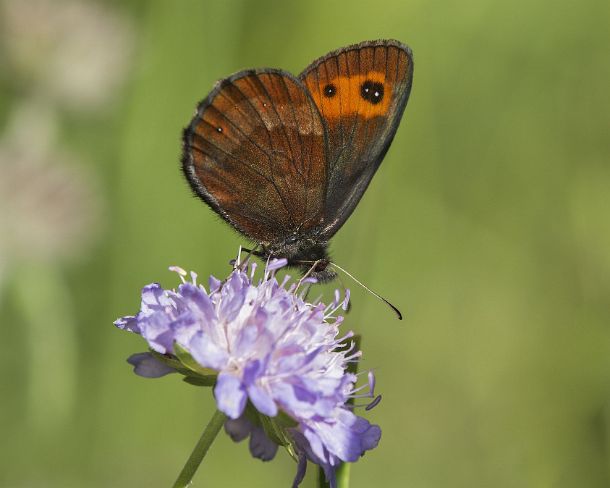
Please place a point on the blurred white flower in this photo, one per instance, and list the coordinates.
(50, 210)
(77, 52)
(50, 204)
(60, 54)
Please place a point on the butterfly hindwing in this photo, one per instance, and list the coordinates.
(255, 151)
(361, 92)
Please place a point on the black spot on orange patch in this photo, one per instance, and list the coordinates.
(330, 90)
(372, 91)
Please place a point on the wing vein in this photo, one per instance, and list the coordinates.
(303, 162)
(264, 88)
(270, 142)
(218, 148)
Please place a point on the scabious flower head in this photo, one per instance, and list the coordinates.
(277, 363)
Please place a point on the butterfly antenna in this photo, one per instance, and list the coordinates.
(377, 295)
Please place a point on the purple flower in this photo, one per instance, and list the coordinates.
(279, 364)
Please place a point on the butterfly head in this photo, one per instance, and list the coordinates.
(307, 253)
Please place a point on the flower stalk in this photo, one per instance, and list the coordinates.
(201, 448)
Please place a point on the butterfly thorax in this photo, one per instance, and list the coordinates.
(307, 253)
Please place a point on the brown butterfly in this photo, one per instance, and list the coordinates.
(285, 159)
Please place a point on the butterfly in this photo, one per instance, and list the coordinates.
(285, 159)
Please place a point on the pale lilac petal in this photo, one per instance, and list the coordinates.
(214, 284)
(230, 395)
(198, 301)
(252, 371)
(129, 322)
(262, 401)
(261, 446)
(315, 443)
(156, 329)
(233, 297)
(244, 340)
(153, 298)
(370, 437)
(368, 434)
(347, 438)
(238, 429)
(275, 264)
(206, 352)
(301, 470)
(146, 365)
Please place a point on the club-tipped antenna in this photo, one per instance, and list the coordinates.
(377, 295)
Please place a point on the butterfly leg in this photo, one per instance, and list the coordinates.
(254, 252)
(309, 271)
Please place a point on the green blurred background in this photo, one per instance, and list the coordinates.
(488, 224)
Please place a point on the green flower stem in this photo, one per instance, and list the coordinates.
(342, 474)
(343, 470)
(322, 479)
(205, 441)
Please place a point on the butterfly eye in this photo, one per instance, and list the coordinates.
(372, 91)
(219, 129)
(330, 90)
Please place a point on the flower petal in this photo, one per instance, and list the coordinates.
(129, 322)
(261, 446)
(346, 438)
(263, 402)
(275, 264)
(206, 352)
(153, 298)
(233, 297)
(146, 365)
(157, 331)
(198, 302)
(238, 429)
(301, 470)
(230, 395)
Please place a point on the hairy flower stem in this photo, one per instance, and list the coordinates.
(205, 441)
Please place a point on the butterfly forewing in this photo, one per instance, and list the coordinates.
(256, 153)
(361, 92)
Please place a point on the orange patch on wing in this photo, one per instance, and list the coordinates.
(347, 98)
